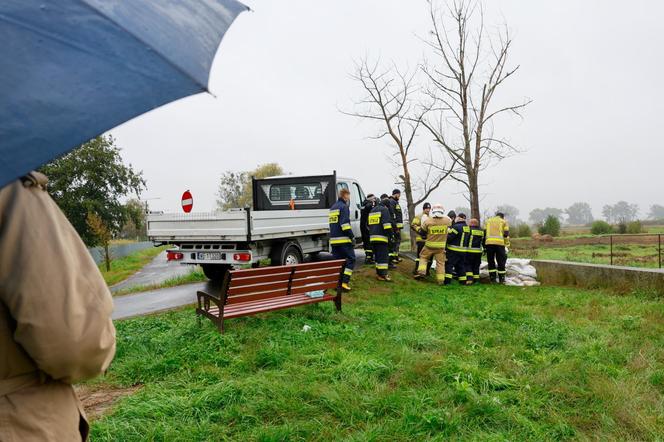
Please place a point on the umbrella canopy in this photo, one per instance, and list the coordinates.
(73, 69)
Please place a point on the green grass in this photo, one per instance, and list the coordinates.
(405, 362)
(195, 276)
(122, 268)
(634, 255)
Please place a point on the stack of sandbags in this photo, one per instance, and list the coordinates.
(519, 272)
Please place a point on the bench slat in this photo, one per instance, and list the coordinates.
(256, 288)
(280, 269)
(274, 304)
(260, 296)
(248, 280)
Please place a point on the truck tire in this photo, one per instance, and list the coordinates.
(288, 254)
(215, 272)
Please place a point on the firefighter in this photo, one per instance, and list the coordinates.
(435, 229)
(474, 251)
(457, 243)
(381, 230)
(397, 213)
(55, 317)
(415, 227)
(341, 235)
(497, 237)
(367, 205)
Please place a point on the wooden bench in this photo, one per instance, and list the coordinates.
(250, 291)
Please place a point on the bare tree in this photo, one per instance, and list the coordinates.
(390, 98)
(468, 67)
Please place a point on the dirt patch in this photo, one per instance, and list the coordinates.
(97, 400)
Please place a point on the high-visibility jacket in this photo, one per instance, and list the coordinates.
(397, 213)
(476, 240)
(340, 228)
(380, 224)
(458, 236)
(416, 225)
(497, 232)
(436, 232)
(367, 205)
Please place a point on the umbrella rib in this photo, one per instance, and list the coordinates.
(203, 87)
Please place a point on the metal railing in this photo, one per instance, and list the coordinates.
(632, 250)
(659, 244)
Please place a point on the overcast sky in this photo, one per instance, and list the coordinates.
(593, 69)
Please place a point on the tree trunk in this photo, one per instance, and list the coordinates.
(474, 192)
(107, 257)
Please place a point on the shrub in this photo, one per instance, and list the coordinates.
(551, 226)
(600, 228)
(635, 227)
(621, 228)
(522, 230)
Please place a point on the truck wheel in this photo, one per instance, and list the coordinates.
(288, 255)
(215, 272)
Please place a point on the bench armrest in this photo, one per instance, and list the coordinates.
(204, 300)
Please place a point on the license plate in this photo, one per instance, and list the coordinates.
(209, 255)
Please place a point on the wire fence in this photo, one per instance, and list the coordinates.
(632, 250)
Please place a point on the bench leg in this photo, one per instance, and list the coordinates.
(337, 300)
(220, 325)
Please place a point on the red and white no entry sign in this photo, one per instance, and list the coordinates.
(187, 201)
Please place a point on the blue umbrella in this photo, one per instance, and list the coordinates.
(73, 69)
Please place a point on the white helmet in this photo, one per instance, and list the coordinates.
(437, 211)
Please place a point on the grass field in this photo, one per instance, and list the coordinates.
(122, 268)
(404, 362)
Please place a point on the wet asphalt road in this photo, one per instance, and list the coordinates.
(154, 301)
(158, 271)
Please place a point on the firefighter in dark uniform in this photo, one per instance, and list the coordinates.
(474, 252)
(381, 231)
(457, 241)
(397, 213)
(341, 236)
(367, 205)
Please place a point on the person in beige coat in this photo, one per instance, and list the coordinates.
(55, 317)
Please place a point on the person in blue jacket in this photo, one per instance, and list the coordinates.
(341, 236)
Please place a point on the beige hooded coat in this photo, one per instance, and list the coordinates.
(55, 317)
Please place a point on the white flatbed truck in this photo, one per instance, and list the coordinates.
(288, 221)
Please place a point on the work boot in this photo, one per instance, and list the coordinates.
(418, 276)
(385, 278)
(345, 287)
(391, 266)
(501, 279)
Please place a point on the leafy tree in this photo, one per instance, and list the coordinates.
(621, 212)
(656, 212)
(538, 216)
(579, 213)
(522, 230)
(101, 235)
(511, 213)
(635, 227)
(600, 227)
(134, 226)
(93, 178)
(235, 187)
(551, 226)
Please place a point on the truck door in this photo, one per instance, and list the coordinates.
(355, 205)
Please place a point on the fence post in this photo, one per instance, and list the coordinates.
(659, 249)
(611, 249)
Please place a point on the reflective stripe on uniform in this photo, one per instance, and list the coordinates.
(348, 272)
(456, 249)
(492, 270)
(435, 245)
(345, 226)
(399, 226)
(448, 275)
(501, 272)
(387, 226)
(382, 266)
(378, 238)
(341, 240)
(474, 250)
